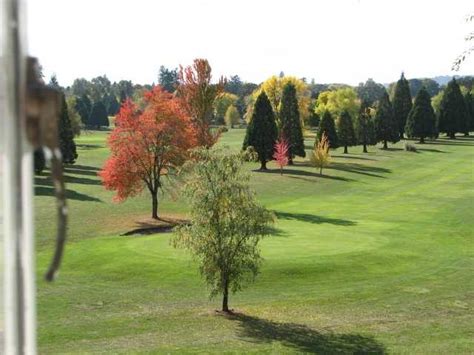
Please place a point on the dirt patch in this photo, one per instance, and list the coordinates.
(153, 226)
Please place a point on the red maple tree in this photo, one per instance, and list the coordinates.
(146, 145)
(281, 153)
(197, 95)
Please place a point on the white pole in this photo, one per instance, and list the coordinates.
(19, 291)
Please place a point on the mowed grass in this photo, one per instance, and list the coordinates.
(375, 256)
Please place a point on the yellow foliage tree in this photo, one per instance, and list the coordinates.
(338, 101)
(320, 157)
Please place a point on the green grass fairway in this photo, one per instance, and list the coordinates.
(376, 256)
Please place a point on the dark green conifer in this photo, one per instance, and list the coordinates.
(83, 107)
(365, 130)
(39, 161)
(66, 136)
(290, 123)
(402, 103)
(386, 127)
(421, 122)
(327, 125)
(262, 130)
(452, 111)
(345, 131)
(469, 99)
(98, 116)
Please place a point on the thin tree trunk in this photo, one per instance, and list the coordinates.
(385, 146)
(290, 160)
(365, 149)
(466, 134)
(263, 165)
(422, 140)
(154, 211)
(452, 135)
(225, 298)
(345, 149)
(321, 170)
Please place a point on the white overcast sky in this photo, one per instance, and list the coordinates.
(331, 41)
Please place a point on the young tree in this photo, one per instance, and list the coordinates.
(452, 111)
(232, 116)
(386, 128)
(365, 130)
(320, 157)
(328, 127)
(98, 116)
(281, 153)
(145, 146)
(227, 222)
(262, 131)
(345, 131)
(421, 120)
(66, 135)
(197, 95)
(291, 123)
(402, 103)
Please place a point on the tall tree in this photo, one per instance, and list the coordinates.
(345, 131)
(365, 130)
(421, 122)
(168, 79)
(234, 85)
(402, 103)
(98, 116)
(146, 146)
(113, 106)
(452, 111)
(386, 127)
(39, 161)
(291, 123)
(338, 101)
(74, 117)
(66, 135)
(197, 94)
(227, 223)
(469, 99)
(262, 131)
(84, 107)
(327, 126)
(370, 91)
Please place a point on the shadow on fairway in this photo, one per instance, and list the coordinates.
(81, 170)
(295, 173)
(46, 180)
(352, 157)
(373, 171)
(311, 218)
(304, 339)
(454, 142)
(430, 150)
(70, 194)
(89, 146)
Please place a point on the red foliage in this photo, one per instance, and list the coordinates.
(281, 153)
(145, 145)
(197, 95)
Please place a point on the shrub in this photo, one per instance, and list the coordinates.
(409, 147)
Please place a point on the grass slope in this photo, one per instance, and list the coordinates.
(375, 256)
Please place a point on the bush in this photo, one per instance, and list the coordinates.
(409, 147)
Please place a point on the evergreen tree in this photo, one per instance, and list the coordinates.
(421, 120)
(262, 131)
(345, 131)
(469, 99)
(402, 103)
(452, 111)
(66, 136)
(291, 124)
(39, 161)
(386, 127)
(83, 107)
(365, 130)
(111, 104)
(123, 96)
(98, 116)
(327, 125)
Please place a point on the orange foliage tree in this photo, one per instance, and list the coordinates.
(281, 153)
(147, 145)
(197, 95)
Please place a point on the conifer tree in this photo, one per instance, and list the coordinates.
(83, 107)
(39, 161)
(402, 103)
(365, 130)
(386, 128)
(66, 135)
(452, 111)
(327, 125)
(262, 131)
(345, 131)
(98, 116)
(290, 123)
(469, 99)
(421, 121)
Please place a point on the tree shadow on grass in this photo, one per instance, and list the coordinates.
(304, 339)
(89, 146)
(352, 157)
(430, 150)
(70, 194)
(295, 173)
(360, 169)
(453, 142)
(81, 170)
(46, 180)
(311, 218)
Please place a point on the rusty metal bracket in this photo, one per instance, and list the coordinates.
(43, 107)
